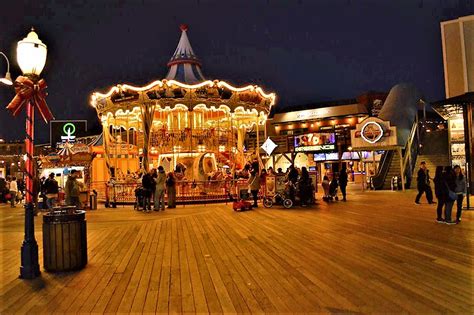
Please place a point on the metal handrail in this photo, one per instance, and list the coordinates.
(408, 146)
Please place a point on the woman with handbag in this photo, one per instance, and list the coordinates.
(440, 193)
(460, 191)
(449, 188)
(254, 186)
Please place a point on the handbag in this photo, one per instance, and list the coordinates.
(8, 196)
(250, 190)
(451, 194)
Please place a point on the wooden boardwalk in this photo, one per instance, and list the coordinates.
(376, 253)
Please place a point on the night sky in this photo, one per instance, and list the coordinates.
(305, 51)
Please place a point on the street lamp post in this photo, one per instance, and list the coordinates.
(30, 93)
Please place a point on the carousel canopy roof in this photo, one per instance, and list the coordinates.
(184, 86)
(184, 65)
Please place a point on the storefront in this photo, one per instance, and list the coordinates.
(76, 157)
(458, 111)
(319, 137)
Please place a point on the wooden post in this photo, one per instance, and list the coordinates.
(364, 173)
(373, 162)
(402, 171)
(128, 143)
(257, 147)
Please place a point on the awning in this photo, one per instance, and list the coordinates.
(453, 106)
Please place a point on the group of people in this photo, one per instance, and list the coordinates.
(11, 190)
(155, 184)
(298, 183)
(449, 187)
(339, 180)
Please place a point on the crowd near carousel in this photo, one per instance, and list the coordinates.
(194, 128)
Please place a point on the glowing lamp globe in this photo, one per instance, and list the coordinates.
(31, 54)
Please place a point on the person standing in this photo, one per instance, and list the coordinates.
(36, 192)
(254, 186)
(147, 184)
(51, 189)
(304, 187)
(171, 189)
(13, 192)
(460, 190)
(160, 189)
(449, 185)
(423, 184)
(292, 178)
(343, 182)
(72, 190)
(3, 190)
(439, 193)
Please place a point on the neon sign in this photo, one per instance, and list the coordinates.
(69, 130)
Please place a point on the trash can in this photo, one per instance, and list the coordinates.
(93, 200)
(64, 239)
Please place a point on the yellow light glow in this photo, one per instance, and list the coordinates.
(188, 86)
(230, 87)
(31, 54)
(97, 95)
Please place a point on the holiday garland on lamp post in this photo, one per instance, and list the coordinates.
(30, 93)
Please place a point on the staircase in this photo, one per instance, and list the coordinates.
(393, 170)
(432, 160)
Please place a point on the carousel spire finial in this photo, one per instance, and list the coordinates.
(184, 65)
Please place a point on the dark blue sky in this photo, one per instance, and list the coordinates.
(305, 51)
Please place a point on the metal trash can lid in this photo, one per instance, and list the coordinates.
(62, 216)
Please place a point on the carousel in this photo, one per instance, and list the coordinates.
(194, 127)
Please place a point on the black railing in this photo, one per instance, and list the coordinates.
(378, 179)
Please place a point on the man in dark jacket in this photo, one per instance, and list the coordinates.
(343, 182)
(292, 178)
(423, 184)
(3, 189)
(148, 184)
(51, 190)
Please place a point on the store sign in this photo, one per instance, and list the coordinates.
(316, 148)
(69, 130)
(317, 142)
(311, 114)
(372, 132)
(62, 131)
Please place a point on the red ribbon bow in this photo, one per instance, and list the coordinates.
(29, 91)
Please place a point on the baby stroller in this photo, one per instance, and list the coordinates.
(330, 192)
(139, 198)
(242, 204)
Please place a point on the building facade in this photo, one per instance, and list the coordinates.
(318, 135)
(458, 55)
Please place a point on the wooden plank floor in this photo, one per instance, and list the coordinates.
(377, 253)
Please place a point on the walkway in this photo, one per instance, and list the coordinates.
(376, 253)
